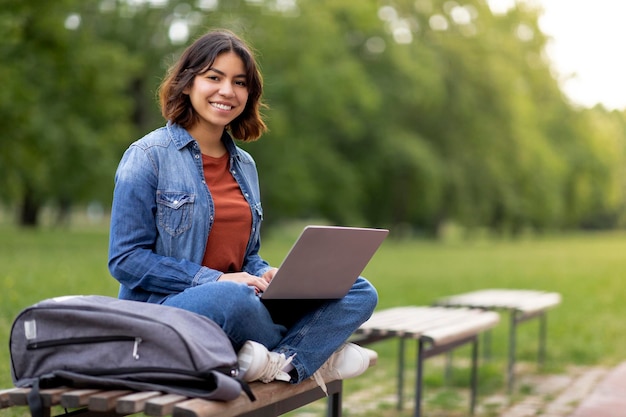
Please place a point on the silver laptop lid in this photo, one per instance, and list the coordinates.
(324, 262)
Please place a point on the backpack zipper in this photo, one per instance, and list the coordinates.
(87, 340)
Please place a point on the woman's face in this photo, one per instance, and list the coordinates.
(220, 94)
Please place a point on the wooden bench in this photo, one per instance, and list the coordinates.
(436, 329)
(522, 305)
(272, 400)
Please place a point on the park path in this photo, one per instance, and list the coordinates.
(608, 399)
(582, 392)
(578, 391)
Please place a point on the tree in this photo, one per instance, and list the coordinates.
(409, 113)
(64, 106)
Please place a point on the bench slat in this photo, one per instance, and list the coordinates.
(134, 403)
(77, 398)
(469, 327)
(19, 396)
(409, 322)
(106, 400)
(527, 301)
(5, 400)
(443, 319)
(438, 325)
(544, 302)
(266, 394)
(52, 396)
(163, 405)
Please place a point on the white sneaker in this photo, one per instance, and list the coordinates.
(348, 361)
(258, 364)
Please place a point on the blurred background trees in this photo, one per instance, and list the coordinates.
(400, 113)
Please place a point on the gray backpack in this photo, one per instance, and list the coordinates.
(104, 342)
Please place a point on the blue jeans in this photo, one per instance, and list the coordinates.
(310, 329)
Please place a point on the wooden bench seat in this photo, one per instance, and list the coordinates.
(436, 330)
(272, 400)
(522, 305)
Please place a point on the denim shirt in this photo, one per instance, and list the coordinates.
(163, 212)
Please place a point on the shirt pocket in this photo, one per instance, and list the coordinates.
(175, 211)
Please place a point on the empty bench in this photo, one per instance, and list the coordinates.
(272, 399)
(522, 305)
(436, 330)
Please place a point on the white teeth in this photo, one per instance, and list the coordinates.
(221, 106)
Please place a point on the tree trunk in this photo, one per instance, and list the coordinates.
(30, 209)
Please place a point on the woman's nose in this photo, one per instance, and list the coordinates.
(226, 89)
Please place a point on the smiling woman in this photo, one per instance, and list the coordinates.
(186, 219)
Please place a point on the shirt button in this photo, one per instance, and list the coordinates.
(175, 201)
(197, 156)
(246, 194)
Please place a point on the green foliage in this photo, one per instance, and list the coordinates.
(400, 114)
(64, 107)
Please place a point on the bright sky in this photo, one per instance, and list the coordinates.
(587, 48)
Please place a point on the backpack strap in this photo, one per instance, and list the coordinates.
(35, 402)
(246, 388)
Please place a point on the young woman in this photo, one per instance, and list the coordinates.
(186, 217)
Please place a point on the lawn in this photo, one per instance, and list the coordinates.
(587, 269)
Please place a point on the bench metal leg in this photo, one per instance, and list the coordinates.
(448, 369)
(474, 376)
(419, 377)
(425, 351)
(517, 318)
(401, 352)
(334, 405)
(487, 345)
(541, 356)
(511, 363)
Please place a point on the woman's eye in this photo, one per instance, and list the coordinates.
(241, 83)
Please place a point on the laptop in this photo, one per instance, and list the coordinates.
(324, 262)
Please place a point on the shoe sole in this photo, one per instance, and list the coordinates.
(246, 359)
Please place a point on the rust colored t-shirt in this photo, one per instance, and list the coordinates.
(226, 245)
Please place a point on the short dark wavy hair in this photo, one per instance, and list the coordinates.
(197, 59)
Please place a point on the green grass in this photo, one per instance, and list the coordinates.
(587, 269)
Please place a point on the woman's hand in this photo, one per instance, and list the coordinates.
(269, 275)
(259, 283)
